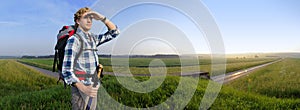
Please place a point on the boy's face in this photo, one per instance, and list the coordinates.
(85, 22)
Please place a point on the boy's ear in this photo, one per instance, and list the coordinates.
(77, 21)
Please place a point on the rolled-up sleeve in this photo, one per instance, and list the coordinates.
(71, 50)
(109, 35)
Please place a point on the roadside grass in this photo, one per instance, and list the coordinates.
(58, 98)
(55, 97)
(280, 80)
(52, 96)
(16, 78)
(44, 63)
(141, 65)
(273, 87)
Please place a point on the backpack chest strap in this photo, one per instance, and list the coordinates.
(82, 75)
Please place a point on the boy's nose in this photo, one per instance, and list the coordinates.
(89, 19)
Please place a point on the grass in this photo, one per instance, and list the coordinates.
(25, 88)
(15, 78)
(173, 65)
(59, 98)
(41, 63)
(280, 80)
(55, 97)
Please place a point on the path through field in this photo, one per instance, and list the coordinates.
(47, 72)
(55, 74)
(237, 74)
(220, 78)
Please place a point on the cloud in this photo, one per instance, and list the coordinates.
(10, 23)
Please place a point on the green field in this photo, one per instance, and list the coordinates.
(26, 88)
(140, 65)
(279, 80)
(18, 79)
(34, 93)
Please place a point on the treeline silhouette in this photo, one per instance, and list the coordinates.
(115, 56)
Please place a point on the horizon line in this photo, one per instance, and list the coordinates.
(167, 54)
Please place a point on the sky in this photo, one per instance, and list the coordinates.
(30, 27)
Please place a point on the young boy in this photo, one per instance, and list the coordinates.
(87, 61)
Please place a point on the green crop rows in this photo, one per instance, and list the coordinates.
(24, 88)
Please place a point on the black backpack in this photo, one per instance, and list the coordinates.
(63, 35)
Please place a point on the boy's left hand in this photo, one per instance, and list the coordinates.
(96, 15)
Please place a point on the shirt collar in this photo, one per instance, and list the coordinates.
(81, 33)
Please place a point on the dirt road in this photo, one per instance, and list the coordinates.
(237, 74)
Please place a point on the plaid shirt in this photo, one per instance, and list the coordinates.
(88, 60)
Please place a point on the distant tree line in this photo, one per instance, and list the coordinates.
(29, 56)
(115, 56)
(140, 56)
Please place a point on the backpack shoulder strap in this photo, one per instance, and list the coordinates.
(55, 61)
(80, 50)
(94, 39)
(77, 56)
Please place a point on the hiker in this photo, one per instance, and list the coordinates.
(85, 64)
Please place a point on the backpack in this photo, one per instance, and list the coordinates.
(63, 35)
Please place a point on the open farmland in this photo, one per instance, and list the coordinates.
(279, 80)
(53, 96)
(173, 65)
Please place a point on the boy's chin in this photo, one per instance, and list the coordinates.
(88, 28)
